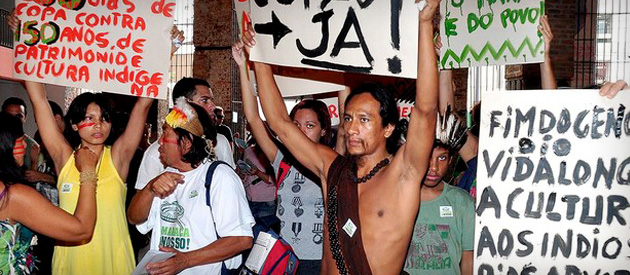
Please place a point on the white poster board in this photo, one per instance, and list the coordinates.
(553, 183)
(291, 81)
(483, 33)
(373, 37)
(404, 109)
(113, 46)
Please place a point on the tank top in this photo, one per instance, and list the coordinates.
(109, 251)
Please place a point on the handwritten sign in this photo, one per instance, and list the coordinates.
(553, 183)
(288, 79)
(364, 36)
(113, 46)
(490, 32)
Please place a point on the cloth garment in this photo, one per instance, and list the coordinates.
(257, 190)
(184, 221)
(312, 267)
(30, 142)
(225, 131)
(45, 247)
(343, 203)
(261, 209)
(45, 165)
(300, 208)
(109, 251)
(468, 181)
(444, 228)
(151, 166)
(16, 255)
(16, 243)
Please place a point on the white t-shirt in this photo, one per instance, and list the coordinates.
(300, 210)
(184, 221)
(151, 166)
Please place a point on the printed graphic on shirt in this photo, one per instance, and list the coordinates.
(296, 228)
(446, 211)
(428, 248)
(318, 230)
(300, 209)
(297, 202)
(283, 171)
(66, 187)
(319, 208)
(298, 180)
(176, 236)
(280, 207)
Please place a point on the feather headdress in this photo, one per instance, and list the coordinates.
(184, 116)
(450, 130)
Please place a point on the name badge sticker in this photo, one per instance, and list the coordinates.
(446, 211)
(350, 228)
(66, 187)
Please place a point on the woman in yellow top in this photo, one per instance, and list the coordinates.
(88, 125)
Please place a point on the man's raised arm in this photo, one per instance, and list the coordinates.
(421, 133)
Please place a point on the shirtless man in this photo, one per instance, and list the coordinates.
(373, 233)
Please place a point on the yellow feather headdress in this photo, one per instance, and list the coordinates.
(184, 116)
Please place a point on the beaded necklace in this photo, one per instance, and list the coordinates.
(353, 172)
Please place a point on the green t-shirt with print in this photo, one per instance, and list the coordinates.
(443, 230)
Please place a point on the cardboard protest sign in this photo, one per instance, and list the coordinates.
(114, 46)
(374, 37)
(404, 109)
(553, 183)
(292, 81)
(490, 32)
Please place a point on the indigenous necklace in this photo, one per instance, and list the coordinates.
(353, 172)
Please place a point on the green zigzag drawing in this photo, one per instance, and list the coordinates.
(488, 48)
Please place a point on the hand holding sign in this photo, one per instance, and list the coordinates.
(98, 45)
(428, 12)
(610, 90)
(545, 30)
(238, 54)
(177, 37)
(13, 21)
(249, 37)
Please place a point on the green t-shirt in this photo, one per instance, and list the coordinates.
(444, 228)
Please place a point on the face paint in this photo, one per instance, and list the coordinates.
(19, 148)
(88, 124)
(169, 140)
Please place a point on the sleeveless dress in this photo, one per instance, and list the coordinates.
(109, 251)
(16, 253)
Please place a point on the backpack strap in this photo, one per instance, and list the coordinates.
(209, 175)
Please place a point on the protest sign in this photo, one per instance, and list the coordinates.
(553, 183)
(292, 81)
(404, 109)
(114, 46)
(374, 37)
(490, 32)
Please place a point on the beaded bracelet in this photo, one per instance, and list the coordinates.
(88, 177)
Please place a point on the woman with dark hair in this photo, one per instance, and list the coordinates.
(300, 203)
(88, 125)
(23, 208)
